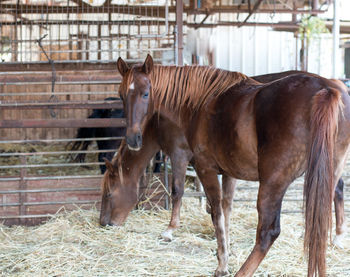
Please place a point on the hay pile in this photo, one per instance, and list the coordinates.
(46, 159)
(73, 244)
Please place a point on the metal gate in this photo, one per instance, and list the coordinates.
(57, 64)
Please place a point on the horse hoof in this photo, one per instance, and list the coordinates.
(219, 273)
(167, 235)
(338, 241)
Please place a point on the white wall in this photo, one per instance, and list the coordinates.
(254, 50)
(260, 50)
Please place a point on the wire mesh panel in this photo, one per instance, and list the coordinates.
(93, 30)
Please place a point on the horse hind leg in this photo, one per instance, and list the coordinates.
(179, 173)
(341, 229)
(270, 195)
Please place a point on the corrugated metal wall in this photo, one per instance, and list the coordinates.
(259, 50)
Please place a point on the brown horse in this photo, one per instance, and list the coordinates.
(271, 133)
(171, 140)
(121, 181)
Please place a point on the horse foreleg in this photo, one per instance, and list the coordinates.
(179, 166)
(269, 208)
(228, 189)
(339, 214)
(213, 191)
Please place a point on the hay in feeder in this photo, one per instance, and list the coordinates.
(65, 158)
(73, 244)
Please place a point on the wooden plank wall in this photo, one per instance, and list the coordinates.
(14, 205)
(50, 133)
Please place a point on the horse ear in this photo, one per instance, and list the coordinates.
(122, 66)
(109, 166)
(148, 65)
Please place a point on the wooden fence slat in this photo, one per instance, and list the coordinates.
(62, 105)
(63, 123)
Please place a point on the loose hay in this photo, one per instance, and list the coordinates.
(73, 244)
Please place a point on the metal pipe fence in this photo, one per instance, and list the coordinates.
(84, 31)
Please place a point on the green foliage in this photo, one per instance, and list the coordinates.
(5, 43)
(311, 27)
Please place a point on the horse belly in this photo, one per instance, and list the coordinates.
(240, 161)
(237, 150)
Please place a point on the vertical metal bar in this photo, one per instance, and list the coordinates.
(14, 44)
(88, 43)
(21, 37)
(30, 43)
(296, 52)
(79, 43)
(99, 31)
(336, 32)
(22, 186)
(1, 44)
(128, 56)
(166, 182)
(70, 46)
(199, 188)
(315, 4)
(110, 33)
(179, 32)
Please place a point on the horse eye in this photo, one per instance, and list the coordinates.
(109, 195)
(145, 96)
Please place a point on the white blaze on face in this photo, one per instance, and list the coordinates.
(132, 86)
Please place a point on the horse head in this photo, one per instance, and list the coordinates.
(119, 195)
(135, 92)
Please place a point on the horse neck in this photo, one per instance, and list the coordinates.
(180, 92)
(133, 163)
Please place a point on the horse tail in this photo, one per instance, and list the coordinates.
(319, 178)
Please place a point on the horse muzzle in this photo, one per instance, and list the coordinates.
(134, 141)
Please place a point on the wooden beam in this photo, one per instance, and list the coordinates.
(59, 65)
(118, 104)
(151, 11)
(63, 123)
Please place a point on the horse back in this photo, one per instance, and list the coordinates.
(239, 127)
(283, 111)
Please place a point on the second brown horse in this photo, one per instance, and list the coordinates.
(272, 133)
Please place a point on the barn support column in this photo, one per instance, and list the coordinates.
(336, 32)
(179, 32)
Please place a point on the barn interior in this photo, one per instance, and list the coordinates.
(58, 64)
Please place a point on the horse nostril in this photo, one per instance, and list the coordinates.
(128, 140)
(139, 139)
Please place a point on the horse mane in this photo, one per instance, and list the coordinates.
(190, 86)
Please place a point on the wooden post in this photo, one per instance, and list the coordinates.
(179, 32)
(336, 34)
(99, 37)
(22, 195)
